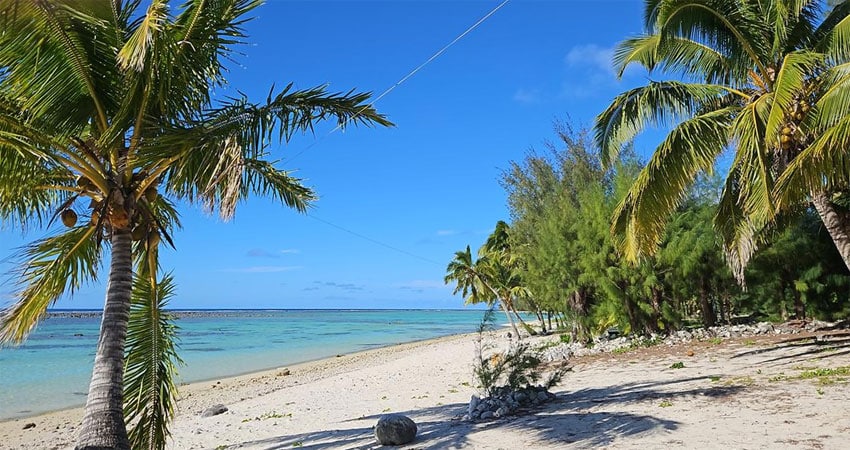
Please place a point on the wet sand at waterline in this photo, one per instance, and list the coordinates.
(743, 393)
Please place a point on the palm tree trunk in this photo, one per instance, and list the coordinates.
(103, 423)
(510, 319)
(836, 222)
(505, 308)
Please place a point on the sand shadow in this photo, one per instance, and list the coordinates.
(577, 417)
(804, 348)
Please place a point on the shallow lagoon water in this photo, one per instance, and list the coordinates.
(51, 369)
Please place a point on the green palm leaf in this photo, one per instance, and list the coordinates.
(50, 267)
(658, 103)
(691, 147)
(150, 392)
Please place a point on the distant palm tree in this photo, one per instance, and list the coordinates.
(767, 79)
(471, 278)
(106, 113)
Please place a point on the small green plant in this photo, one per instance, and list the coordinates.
(268, 415)
(715, 340)
(749, 342)
(386, 410)
(666, 404)
(714, 379)
(221, 447)
(518, 366)
(565, 338)
(820, 391)
(677, 365)
(776, 378)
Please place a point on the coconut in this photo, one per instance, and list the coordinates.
(139, 232)
(95, 217)
(69, 218)
(153, 239)
(787, 131)
(151, 194)
(785, 138)
(84, 182)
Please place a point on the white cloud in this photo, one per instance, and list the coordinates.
(446, 232)
(422, 284)
(523, 95)
(591, 56)
(289, 251)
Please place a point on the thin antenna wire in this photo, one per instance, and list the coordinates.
(374, 241)
(404, 78)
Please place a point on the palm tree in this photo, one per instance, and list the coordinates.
(471, 278)
(106, 114)
(764, 78)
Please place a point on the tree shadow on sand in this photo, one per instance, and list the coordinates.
(803, 348)
(577, 417)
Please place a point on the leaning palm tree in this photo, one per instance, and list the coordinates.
(106, 115)
(763, 78)
(472, 280)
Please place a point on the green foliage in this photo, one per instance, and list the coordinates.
(150, 392)
(517, 367)
(677, 365)
(107, 110)
(768, 82)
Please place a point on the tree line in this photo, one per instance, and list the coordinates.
(559, 260)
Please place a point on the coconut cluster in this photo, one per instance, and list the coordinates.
(117, 209)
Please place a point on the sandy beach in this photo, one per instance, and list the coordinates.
(742, 393)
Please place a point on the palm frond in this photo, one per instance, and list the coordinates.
(734, 28)
(735, 229)
(754, 161)
(219, 159)
(133, 54)
(658, 103)
(50, 267)
(674, 54)
(691, 147)
(823, 166)
(795, 70)
(150, 392)
(58, 59)
(832, 37)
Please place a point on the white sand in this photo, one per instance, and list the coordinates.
(742, 394)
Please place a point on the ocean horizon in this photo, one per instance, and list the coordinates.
(51, 369)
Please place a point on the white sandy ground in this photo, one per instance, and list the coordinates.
(742, 394)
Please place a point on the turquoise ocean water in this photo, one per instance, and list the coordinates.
(51, 369)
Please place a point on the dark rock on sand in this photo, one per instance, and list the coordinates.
(214, 411)
(395, 429)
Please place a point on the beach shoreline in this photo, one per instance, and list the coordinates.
(748, 392)
(261, 372)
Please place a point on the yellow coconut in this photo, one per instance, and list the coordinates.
(69, 218)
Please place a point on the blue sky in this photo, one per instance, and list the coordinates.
(411, 195)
